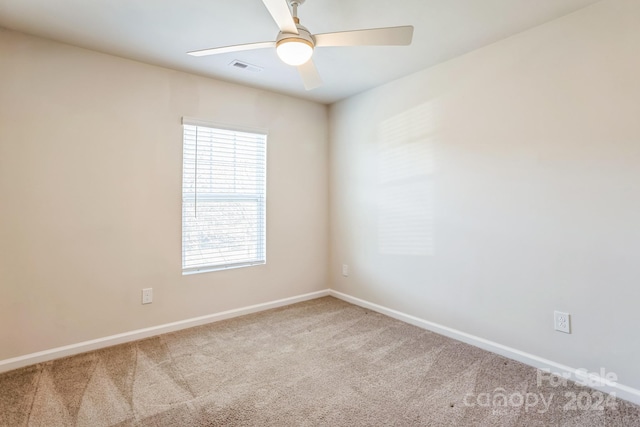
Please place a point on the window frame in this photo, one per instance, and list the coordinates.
(260, 199)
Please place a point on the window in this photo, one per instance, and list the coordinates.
(223, 197)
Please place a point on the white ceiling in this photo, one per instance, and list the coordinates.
(161, 31)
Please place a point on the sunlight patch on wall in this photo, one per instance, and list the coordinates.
(406, 188)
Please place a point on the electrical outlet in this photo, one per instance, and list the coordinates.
(147, 296)
(562, 322)
(345, 270)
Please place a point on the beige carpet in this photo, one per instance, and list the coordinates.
(321, 362)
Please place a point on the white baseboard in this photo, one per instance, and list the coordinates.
(70, 350)
(624, 392)
(578, 375)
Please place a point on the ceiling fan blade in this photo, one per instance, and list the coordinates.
(236, 48)
(390, 36)
(309, 74)
(280, 13)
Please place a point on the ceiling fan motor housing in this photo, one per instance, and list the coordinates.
(303, 36)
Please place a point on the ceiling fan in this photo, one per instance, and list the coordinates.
(295, 44)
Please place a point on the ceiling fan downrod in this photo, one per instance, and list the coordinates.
(294, 8)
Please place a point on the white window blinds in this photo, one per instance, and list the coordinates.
(223, 198)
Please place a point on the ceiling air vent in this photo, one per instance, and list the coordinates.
(245, 66)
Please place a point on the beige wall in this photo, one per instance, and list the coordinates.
(489, 191)
(90, 182)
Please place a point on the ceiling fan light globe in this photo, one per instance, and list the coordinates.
(294, 51)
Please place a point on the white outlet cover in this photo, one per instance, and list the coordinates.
(345, 270)
(147, 295)
(562, 322)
